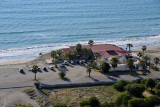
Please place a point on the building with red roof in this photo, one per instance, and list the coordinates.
(105, 50)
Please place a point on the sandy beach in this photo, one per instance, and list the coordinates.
(10, 75)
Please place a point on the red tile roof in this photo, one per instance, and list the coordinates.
(105, 50)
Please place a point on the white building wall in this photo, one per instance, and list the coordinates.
(120, 67)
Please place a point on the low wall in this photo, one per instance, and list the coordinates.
(71, 85)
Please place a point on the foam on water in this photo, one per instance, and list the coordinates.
(33, 52)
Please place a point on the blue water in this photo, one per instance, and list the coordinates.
(28, 27)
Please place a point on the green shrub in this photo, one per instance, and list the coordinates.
(104, 67)
(120, 85)
(158, 92)
(136, 102)
(60, 105)
(150, 83)
(143, 81)
(135, 89)
(84, 103)
(37, 84)
(94, 102)
(122, 99)
(153, 100)
(108, 104)
(157, 80)
(155, 68)
(158, 85)
(62, 74)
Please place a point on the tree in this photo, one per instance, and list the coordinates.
(85, 53)
(152, 101)
(122, 99)
(96, 55)
(78, 47)
(146, 59)
(139, 54)
(135, 89)
(136, 102)
(94, 102)
(91, 42)
(150, 83)
(62, 74)
(156, 60)
(88, 69)
(129, 46)
(120, 85)
(142, 64)
(104, 67)
(143, 49)
(53, 54)
(35, 70)
(94, 65)
(130, 64)
(59, 52)
(55, 62)
(74, 54)
(114, 62)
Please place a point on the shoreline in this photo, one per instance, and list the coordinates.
(151, 51)
(12, 62)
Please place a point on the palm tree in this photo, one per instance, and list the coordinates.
(53, 54)
(88, 69)
(146, 59)
(114, 62)
(143, 49)
(85, 53)
(74, 52)
(35, 70)
(78, 47)
(91, 42)
(129, 46)
(139, 55)
(130, 64)
(59, 52)
(142, 64)
(96, 55)
(156, 60)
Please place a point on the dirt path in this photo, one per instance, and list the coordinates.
(10, 97)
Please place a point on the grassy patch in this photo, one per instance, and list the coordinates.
(23, 105)
(96, 70)
(140, 73)
(72, 96)
(46, 92)
(28, 90)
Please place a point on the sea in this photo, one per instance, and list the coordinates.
(30, 27)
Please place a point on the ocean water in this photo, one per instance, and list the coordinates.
(28, 27)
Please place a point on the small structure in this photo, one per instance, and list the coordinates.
(49, 61)
(105, 50)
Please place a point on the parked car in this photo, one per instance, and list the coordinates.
(30, 69)
(65, 62)
(72, 62)
(21, 71)
(62, 65)
(44, 68)
(51, 67)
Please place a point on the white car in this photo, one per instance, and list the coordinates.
(30, 69)
(51, 67)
